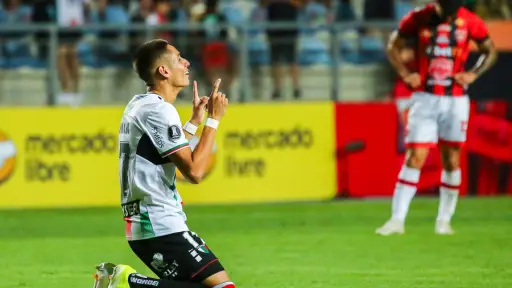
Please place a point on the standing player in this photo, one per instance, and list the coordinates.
(152, 145)
(440, 109)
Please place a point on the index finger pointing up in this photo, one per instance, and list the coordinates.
(196, 94)
(216, 87)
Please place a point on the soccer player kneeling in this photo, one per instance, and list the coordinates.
(152, 145)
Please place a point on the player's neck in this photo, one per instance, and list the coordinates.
(168, 93)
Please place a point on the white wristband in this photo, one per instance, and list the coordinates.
(190, 128)
(210, 122)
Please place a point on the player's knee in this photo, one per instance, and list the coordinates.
(451, 163)
(219, 280)
(451, 159)
(415, 158)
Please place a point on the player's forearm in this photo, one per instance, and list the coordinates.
(487, 59)
(201, 153)
(393, 53)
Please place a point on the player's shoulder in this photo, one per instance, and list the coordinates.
(142, 104)
(165, 108)
(469, 16)
(159, 109)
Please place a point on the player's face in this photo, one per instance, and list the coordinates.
(179, 68)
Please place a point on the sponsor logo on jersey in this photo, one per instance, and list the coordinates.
(131, 208)
(7, 157)
(442, 39)
(159, 140)
(436, 51)
(440, 69)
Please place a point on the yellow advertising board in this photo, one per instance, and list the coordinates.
(59, 157)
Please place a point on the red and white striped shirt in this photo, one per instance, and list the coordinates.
(443, 47)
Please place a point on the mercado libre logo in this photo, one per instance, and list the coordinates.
(7, 157)
(53, 157)
(211, 161)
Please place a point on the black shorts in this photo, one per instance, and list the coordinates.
(283, 50)
(181, 256)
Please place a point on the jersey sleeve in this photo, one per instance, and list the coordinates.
(408, 27)
(163, 126)
(478, 30)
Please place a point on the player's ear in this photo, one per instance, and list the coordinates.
(164, 71)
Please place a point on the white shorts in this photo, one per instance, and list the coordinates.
(437, 119)
(403, 104)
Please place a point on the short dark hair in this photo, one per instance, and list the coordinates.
(145, 57)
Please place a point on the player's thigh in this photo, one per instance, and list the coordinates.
(157, 255)
(453, 122)
(202, 262)
(422, 126)
(181, 256)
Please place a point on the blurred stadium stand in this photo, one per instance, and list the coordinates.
(337, 49)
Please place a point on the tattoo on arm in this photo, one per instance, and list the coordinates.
(487, 59)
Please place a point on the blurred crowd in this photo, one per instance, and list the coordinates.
(214, 48)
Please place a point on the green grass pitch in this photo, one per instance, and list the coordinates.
(308, 245)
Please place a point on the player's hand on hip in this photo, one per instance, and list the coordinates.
(465, 78)
(413, 80)
(218, 102)
(198, 106)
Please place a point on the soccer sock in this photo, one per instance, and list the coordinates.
(448, 194)
(140, 281)
(404, 192)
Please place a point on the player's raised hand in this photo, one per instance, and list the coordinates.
(465, 78)
(198, 106)
(413, 80)
(218, 103)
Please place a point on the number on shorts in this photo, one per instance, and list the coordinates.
(188, 236)
(124, 156)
